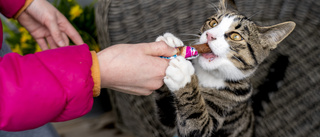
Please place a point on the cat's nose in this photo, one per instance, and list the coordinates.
(210, 37)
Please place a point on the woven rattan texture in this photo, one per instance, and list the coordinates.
(293, 109)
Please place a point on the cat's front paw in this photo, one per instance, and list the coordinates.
(170, 40)
(178, 74)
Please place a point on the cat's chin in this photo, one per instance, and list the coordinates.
(209, 61)
(219, 67)
(209, 56)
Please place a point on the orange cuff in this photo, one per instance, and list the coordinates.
(95, 72)
(26, 4)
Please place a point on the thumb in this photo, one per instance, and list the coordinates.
(159, 49)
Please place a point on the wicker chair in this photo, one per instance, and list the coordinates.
(287, 86)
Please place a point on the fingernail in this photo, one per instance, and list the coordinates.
(61, 43)
(175, 51)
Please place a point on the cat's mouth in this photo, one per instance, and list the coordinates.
(209, 56)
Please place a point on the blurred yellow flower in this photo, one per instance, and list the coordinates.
(38, 49)
(95, 48)
(23, 30)
(17, 49)
(24, 46)
(23, 43)
(25, 37)
(75, 11)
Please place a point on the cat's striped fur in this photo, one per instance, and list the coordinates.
(207, 112)
(203, 108)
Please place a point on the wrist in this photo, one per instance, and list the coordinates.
(108, 66)
(101, 61)
(26, 5)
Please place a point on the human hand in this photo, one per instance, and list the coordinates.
(134, 68)
(47, 25)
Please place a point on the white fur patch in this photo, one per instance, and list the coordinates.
(208, 80)
(178, 74)
(170, 40)
(179, 71)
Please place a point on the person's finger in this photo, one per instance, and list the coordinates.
(159, 49)
(42, 43)
(55, 32)
(51, 42)
(71, 32)
(65, 38)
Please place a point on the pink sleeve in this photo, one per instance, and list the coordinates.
(10, 7)
(49, 86)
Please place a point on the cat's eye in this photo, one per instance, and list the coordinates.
(235, 36)
(213, 23)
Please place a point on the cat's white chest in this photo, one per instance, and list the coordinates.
(208, 80)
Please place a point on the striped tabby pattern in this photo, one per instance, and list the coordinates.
(217, 100)
(208, 112)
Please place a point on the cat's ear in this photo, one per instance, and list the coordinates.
(273, 35)
(228, 5)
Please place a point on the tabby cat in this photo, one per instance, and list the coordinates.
(211, 96)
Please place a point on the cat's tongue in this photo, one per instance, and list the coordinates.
(209, 55)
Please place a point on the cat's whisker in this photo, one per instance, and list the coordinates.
(233, 50)
(200, 32)
(237, 59)
(193, 43)
(196, 35)
(255, 14)
(195, 40)
(197, 30)
(213, 5)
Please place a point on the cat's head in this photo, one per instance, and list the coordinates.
(238, 45)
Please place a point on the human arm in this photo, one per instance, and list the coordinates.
(32, 115)
(58, 85)
(50, 86)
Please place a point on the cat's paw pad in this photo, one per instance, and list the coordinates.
(178, 73)
(170, 40)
